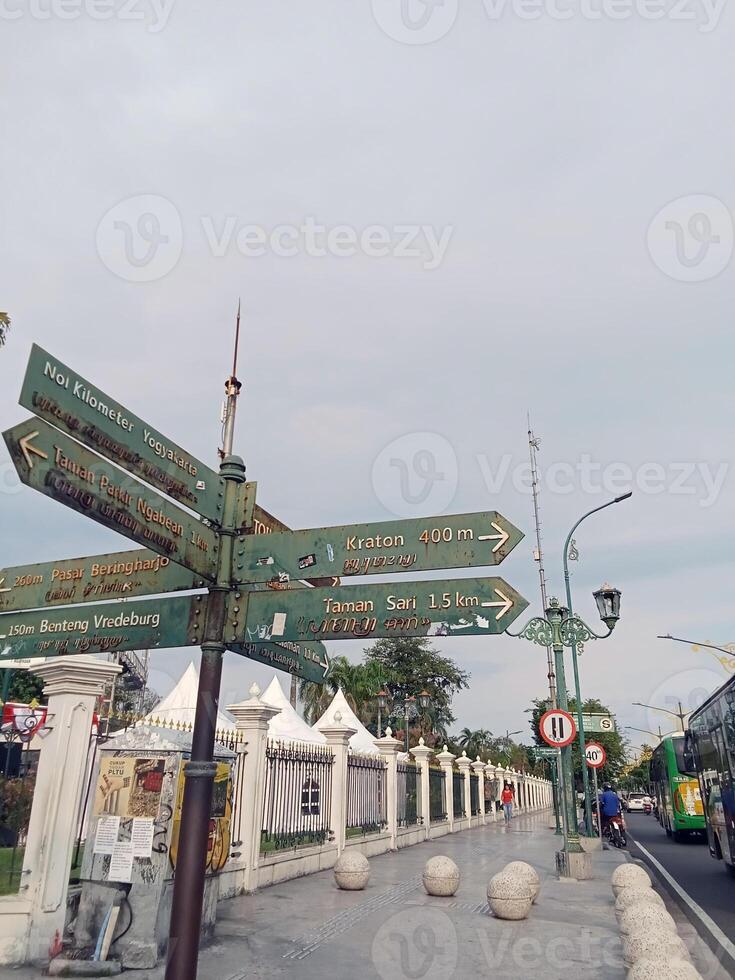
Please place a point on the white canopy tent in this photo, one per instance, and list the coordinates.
(362, 741)
(288, 725)
(179, 705)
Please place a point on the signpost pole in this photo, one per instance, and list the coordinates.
(188, 896)
(597, 798)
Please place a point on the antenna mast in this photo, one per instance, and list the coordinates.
(533, 446)
(232, 390)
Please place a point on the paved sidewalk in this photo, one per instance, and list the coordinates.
(309, 930)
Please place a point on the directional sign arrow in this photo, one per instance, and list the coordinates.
(29, 450)
(444, 608)
(505, 604)
(308, 660)
(107, 627)
(69, 402)
(386, 547)
(121, 575)
(92, 486)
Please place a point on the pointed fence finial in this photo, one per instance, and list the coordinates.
(254, 690)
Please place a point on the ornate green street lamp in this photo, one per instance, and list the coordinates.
(558, 630)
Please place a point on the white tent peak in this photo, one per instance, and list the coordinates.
(179, 705)
(362, 741)
(287, 725)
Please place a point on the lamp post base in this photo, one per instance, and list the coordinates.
(574, 864)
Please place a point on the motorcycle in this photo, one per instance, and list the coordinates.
(615, 831)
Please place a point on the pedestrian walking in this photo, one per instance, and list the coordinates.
(506, 798)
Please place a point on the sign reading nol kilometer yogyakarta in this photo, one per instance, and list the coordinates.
(276, 598)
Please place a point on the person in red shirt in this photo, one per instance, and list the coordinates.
(506, 798)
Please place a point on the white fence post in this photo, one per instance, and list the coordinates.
(389, 748)
(490, 776)
(479, 769)
(251, 720)
(338, 738)
(421, 754)
(463, 764)
(445, 760)
(72, 685)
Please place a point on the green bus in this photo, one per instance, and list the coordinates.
(676, 790)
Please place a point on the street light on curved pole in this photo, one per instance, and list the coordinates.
(727, 662)
(577, 689)
(680, 714)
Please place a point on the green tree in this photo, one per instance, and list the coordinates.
(412, 665)
(24, 686)
(4, 327)
(360, 684)
(613, 742)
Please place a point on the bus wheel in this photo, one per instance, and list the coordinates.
(680, 836)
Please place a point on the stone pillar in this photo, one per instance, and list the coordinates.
(479, 769)
(338, 738)
(490, 771)
(421, 754)
(463, 764)
(72, 686)
(389, 748)
(445, 760)
(251, 720)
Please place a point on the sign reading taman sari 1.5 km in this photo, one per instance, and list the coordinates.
(417, 544)
(60, 468)
(69, 402)
(458, 607)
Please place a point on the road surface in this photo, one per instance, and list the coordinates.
(705, 881)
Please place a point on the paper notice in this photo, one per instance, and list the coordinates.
(121, 862)
(142, 837)
(106, 836)
(279, 624)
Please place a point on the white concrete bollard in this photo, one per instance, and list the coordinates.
(527, 870)
(645, 944)
(626, 875)
(635, 895)
(352, 871)
(441, 876)
(651, 917)
(656, 969)
(510, 895)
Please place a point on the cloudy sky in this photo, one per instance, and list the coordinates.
(440, 217)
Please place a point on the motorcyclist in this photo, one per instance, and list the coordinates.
(609, 805)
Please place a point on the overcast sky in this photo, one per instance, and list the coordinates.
(438, 218)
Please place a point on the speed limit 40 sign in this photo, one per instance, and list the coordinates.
(595, 755)
(557, 728)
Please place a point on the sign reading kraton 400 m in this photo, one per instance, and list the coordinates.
(459, 607)
(71, 403)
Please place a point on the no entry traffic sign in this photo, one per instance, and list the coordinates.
(595, 755)
(557, 728)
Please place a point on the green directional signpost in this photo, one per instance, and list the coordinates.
(459, 541)
(598, 723)
(86, 450)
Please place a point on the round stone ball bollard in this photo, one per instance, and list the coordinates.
(441, 877)
(635, 896)
(651, 917)
(650, 944)
(510, 895)
(527, 870)
(626, 875)
(654, 969)
(352, 871)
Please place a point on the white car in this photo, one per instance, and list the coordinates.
(635, 803)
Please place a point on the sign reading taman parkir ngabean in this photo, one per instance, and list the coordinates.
(458, 607)
(71, 403)
(121, 575)
(457, 541)
(306, 659)
(61, 468)
(172, 621)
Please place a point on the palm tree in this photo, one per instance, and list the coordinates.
(360, 684)
(474, 742)
(4, 327)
